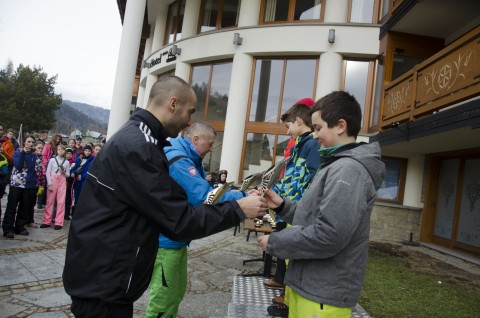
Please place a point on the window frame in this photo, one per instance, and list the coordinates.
(401, 179)
(270, 128)
(375, 14)
(175, 27)
(291, 12)
(217, 124)
(369, 94)
(218, 22)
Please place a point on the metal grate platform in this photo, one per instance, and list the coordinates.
(250, 299)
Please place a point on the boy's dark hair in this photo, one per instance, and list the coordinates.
(28, 136)
(340, 105)
(299, 110)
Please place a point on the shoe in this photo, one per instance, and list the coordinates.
(279, 300)
(67, 218)
(9, 235)
(42, 226)
(32, 225)
(277, 311)
(271, 283)
(58, 227)
(39, 206)
(22, 232)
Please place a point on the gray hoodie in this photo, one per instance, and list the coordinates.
(327, 244)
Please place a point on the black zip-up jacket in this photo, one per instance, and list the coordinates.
(127, 200)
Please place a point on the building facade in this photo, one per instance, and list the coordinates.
(413, 66)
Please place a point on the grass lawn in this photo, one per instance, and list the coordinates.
(394, 288)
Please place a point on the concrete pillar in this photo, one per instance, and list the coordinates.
(126, 65)
(336, 11)
(236, 112)
(146, 53)
(157, 43)
(190, 18)
(413, 181)
(182, 70)
(329, 74)
(249, 12)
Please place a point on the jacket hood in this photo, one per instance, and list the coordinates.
(185, 145)
(369, 155)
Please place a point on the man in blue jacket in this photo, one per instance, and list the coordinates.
(169, 278)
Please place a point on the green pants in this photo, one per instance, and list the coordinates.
(168, 284)
(301, 307)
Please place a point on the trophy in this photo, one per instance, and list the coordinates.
(216, 194)
(251, 181)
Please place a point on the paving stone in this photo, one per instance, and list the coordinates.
(8, 309)
(6, 244)
(46, 298)
(13, 272)
(50, 314)
(40, 265)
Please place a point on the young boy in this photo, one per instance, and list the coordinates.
(68, 195)
(300, 170)
(327, 244)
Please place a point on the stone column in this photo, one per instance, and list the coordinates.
(157, 43)
(329, 77)
(249, 11)
(336, 11)
(236, 112)
(146, 53)
(126, 65)
(190, 18)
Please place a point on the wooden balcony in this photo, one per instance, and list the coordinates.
(447, 78)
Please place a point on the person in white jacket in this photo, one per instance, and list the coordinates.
(57, 170)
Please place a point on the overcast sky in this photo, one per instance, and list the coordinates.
(76, 39)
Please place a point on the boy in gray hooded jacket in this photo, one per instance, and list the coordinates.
(328, 243)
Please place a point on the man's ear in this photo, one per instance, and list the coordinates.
(172, 103)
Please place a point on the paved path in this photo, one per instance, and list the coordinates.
(31, 269)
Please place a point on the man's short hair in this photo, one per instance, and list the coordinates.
(44, 131)
(198, 128)
(301, 111)
(340, 105)
(167, 86)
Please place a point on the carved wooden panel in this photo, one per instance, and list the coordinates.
(452, 74)
(399, 99)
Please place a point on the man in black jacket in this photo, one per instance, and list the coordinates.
(128, 199)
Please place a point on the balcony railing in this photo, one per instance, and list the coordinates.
(448, 77)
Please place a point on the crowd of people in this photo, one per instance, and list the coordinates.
(41, 172)
(142, 203)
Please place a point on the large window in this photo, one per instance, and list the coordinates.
(278, 84)
(218, 14)
(291, 10)
(211, 83)
(362, 11)
(175, 20)
(358, 81)
(393, 185)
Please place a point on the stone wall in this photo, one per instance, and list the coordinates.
(394, 223)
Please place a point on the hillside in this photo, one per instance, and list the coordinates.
(69, 119)
(98, 114)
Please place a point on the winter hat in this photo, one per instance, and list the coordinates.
(87, 147)
(306, 101)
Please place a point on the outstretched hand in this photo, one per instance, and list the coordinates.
(253, 206)
(273, 199)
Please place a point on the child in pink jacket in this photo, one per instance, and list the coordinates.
(57, 170)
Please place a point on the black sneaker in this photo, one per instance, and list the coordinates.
(278, 311)
(39, 206)
(22, 232)
(67, 218)
(9, 235)
(42, 226)
(58, 227)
